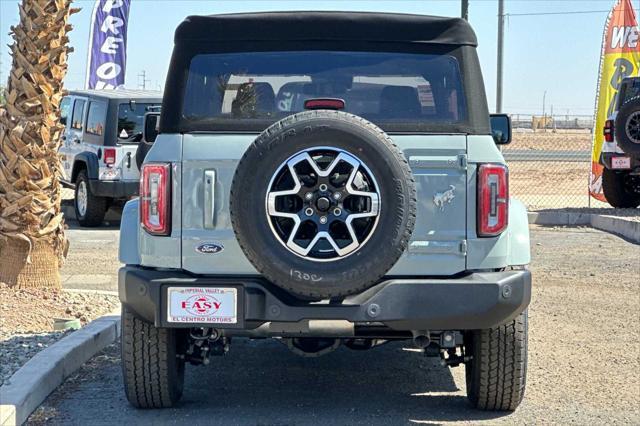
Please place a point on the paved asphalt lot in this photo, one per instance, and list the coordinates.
(584, 360)
(92, 262)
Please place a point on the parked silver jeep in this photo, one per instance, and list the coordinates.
(326, 179)
(100, 147)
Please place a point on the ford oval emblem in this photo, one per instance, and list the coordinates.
(209, 248)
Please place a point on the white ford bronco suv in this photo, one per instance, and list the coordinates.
(325, 179)
(100, 147)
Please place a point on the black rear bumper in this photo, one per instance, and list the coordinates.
(606, 157)
(475, 301)
(114, 189)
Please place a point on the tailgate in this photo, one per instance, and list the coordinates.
(438, 246)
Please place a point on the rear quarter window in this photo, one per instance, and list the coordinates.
(77, 117)
(96, 118)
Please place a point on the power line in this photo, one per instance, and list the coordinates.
(577, 12)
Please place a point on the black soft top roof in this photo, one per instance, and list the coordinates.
(301, 26)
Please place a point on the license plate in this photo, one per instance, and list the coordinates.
(202, 305)
(621, 163)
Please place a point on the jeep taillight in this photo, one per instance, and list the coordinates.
(109, 156)
(493, 199)
(608, 130)
(155, 198)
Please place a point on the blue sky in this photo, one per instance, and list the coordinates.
(554, 53)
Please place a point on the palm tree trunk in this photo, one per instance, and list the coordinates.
(32, 241)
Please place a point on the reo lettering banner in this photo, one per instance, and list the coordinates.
(107, 57)
(620, 58)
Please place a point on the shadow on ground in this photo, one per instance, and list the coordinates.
(262, 383)
(15, 351)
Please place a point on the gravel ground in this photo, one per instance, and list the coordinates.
(584, 363)
(26, 320)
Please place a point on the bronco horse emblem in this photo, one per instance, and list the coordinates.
(442, 198)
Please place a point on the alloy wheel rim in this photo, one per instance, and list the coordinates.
(633, 127)
(323, 204)
(81, 198)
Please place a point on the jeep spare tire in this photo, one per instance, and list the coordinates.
(323, 204)
(628, 127)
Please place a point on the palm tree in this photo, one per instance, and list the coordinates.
(32, 241)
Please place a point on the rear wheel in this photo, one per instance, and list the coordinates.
(496, 374)
(618, 188)
(90, 209)
(153, 374)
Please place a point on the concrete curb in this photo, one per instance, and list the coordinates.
(43, 373)
(621, 226)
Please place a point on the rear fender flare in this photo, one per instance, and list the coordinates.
(88, 161)
(519, 242)
(128, 252)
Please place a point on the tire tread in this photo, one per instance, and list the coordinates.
(496, 376)
(150, 379)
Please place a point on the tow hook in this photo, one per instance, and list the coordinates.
(204, 342)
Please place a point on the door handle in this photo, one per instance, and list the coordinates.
(209, 198)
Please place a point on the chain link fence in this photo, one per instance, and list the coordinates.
(549, 161)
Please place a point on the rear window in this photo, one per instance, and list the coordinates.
(248, 91)
(131, 118)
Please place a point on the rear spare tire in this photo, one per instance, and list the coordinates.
(628, 126)
(323, 204)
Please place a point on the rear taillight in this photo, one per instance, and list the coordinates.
(493, 199)
(155, 198)
(109, 156)
(608, 130)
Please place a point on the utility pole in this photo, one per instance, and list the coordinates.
(544, 113)
(500, 55)
(143, 76)
(464, 10)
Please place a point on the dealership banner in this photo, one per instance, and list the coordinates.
(620, 58)
(107, 56)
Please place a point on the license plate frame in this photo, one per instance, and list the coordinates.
(227, 314)
(620, 163)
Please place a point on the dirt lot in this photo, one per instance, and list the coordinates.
(552, 184)
(584, 363)
(561, 140)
